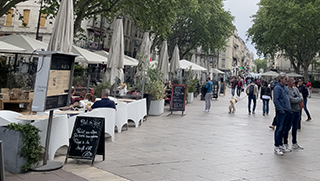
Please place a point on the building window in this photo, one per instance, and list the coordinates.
(43, 20)
(25, 20)
(9, 18)
(223, 53)
(223, 63)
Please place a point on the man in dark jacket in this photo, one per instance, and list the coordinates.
(282, 104)
(304, 91)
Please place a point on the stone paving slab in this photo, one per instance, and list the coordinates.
(201, 146)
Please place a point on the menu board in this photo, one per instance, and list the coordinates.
(178, 97)
(87, 138)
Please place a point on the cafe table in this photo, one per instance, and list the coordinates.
(32, 117)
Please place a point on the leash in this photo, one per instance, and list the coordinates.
(242, 98)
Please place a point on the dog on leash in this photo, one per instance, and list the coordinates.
(232, 105)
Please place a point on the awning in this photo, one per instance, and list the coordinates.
(184, 64)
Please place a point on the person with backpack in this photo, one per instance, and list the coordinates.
(265, 96)
(252, 92)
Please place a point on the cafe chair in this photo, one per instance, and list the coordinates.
(109, 114)
(121, 116)
(7, 117)
(59, 133)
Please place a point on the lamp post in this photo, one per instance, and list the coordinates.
(39, 18)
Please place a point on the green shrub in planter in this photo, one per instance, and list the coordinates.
(98, 89)
(31, 148)
(157, 89)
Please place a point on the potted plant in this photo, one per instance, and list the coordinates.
(156, 88)
(23, 148)
(191, 88)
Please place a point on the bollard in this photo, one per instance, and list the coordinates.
(1, 163)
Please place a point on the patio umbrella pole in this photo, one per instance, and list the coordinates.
(89, 77)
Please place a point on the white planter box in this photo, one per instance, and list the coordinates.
(190, 97)
(156, 107)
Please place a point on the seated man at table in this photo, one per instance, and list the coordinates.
(104, 102)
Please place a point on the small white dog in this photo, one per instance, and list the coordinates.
(232, 105)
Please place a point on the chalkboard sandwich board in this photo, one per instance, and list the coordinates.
(178, 98)
(87, 138)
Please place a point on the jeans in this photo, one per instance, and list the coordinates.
(253, 97)
(238, 91)
(287, 127)
(207, 99)
(305, 108)
(282, 119)
(295, 118)
(232, 91)
(265, 107)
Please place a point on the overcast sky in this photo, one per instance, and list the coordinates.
(241, 10)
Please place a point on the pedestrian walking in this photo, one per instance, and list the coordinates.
(304, 91)
(258, 82)
(233, 83)
(295, 101)
(239, 86)
(252, 92)
(281, 102)
(265, 96)
(207, 97)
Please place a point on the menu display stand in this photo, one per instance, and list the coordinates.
(178, 98)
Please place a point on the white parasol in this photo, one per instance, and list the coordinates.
(175, 64)
(164, 60)
(116, 54)
(62, 34)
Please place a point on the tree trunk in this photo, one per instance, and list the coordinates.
(305, 73)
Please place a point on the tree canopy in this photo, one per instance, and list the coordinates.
(155, 16)
(289, 27)
(261, 64)
(209, 27)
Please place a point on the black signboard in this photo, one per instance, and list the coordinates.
(87, 138)
(178, 98)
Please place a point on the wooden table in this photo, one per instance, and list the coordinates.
(14, 104)
(33, 117)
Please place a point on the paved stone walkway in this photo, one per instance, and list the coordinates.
(201, 146)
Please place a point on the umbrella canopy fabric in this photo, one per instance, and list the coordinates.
(293, 74)
(87, 56)
(175, 60)
(193, 58)
(116, 54)
(184, 64)
(25, 42)
(270, 73)
(217, 71)
(129, 61)
(164, 60)
(8, 48)
(62, 34)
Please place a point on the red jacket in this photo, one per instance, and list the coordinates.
(239, 83)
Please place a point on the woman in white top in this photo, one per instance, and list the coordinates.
(87, 101)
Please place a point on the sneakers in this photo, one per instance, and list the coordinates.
(278, 151)
(263, 114)
(285, 148)
(206, 110)
(249, 113)
(309, 119)
(296, 146)
(253, 112)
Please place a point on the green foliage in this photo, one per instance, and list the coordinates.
(315, 83)
(78, 70)
(80, 81)
(188, 80)
(253, 69)
(261, 64)
(209, 26)
(153, 77)
(31, 148)
(98, 89)
(192, 85)
(157, 89)
(289, 28)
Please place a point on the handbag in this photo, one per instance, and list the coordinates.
(301, 105)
